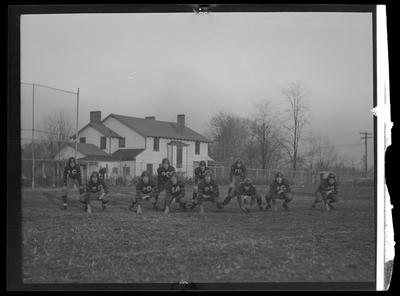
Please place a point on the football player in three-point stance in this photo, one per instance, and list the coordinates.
(174, 192)
(72, 176)
(146, 189)
(164, 174)
(328, 192)
(96, 189)
(279, 189)
(207, 191)
(236, 175)
(247, 194)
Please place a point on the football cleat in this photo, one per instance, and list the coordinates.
(331, 206)
(166, 211)
(139, 209)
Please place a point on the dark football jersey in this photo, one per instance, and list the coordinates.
(141, 187)
(95, 187)
(164, 174)
(238, 171)
(325, 187)
(176, 189)
(247, 190)
(283, 186)
(210, 188)
(73, 173)
(199, 174)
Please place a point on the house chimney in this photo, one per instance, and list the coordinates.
(95, 116)
(180, 123)
(150, 117)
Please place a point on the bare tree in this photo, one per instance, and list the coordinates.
(230, 134)
(58, 129)
(322, 155)
(297, 118)
(264, 132)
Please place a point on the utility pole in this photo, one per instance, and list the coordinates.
(33, 136)
(77, 117)
(365, 137)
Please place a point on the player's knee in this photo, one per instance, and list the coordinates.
(334, 198)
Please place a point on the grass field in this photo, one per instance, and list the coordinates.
(119, 246)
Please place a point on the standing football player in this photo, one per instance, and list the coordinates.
(279, 189)
(174, 192)
(163, 176)
(72, 177)
(199, 174)
(247, 194)
(236, 175)
(328, 192)
(207, 191)
(146, 189)
(96, 189)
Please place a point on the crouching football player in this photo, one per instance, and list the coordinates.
(207, 191)
(199, 174)
(163, 176)
(146, 189)
(96, 189)
(237, 175)
(174, 192)
(279, 189)
(72, 177)
(328, 192)
(247, 194)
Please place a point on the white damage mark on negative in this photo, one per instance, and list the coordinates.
(385, 234)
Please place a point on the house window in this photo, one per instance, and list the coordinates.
(121, 142)
(197, 148)
(82, 140)
(103, 142)
(156, 144)
(126, 171)
(179, 156)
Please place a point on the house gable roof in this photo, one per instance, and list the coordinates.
(88, 149)
(101, 128)
(157, 128)
(126, 154)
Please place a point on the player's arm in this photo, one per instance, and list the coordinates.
(244, 171)
(105, 187)
(183, 191)
(65, 176)
(79, 174)
(287, 187)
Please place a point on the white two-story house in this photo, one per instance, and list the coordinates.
(128, 145)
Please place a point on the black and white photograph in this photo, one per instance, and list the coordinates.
(198, 148)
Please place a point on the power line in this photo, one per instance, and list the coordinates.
(50, 87)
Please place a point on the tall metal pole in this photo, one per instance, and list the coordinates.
(77, 117)
(33, 136)
(365, 137)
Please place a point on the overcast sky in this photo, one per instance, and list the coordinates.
(166, 64)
